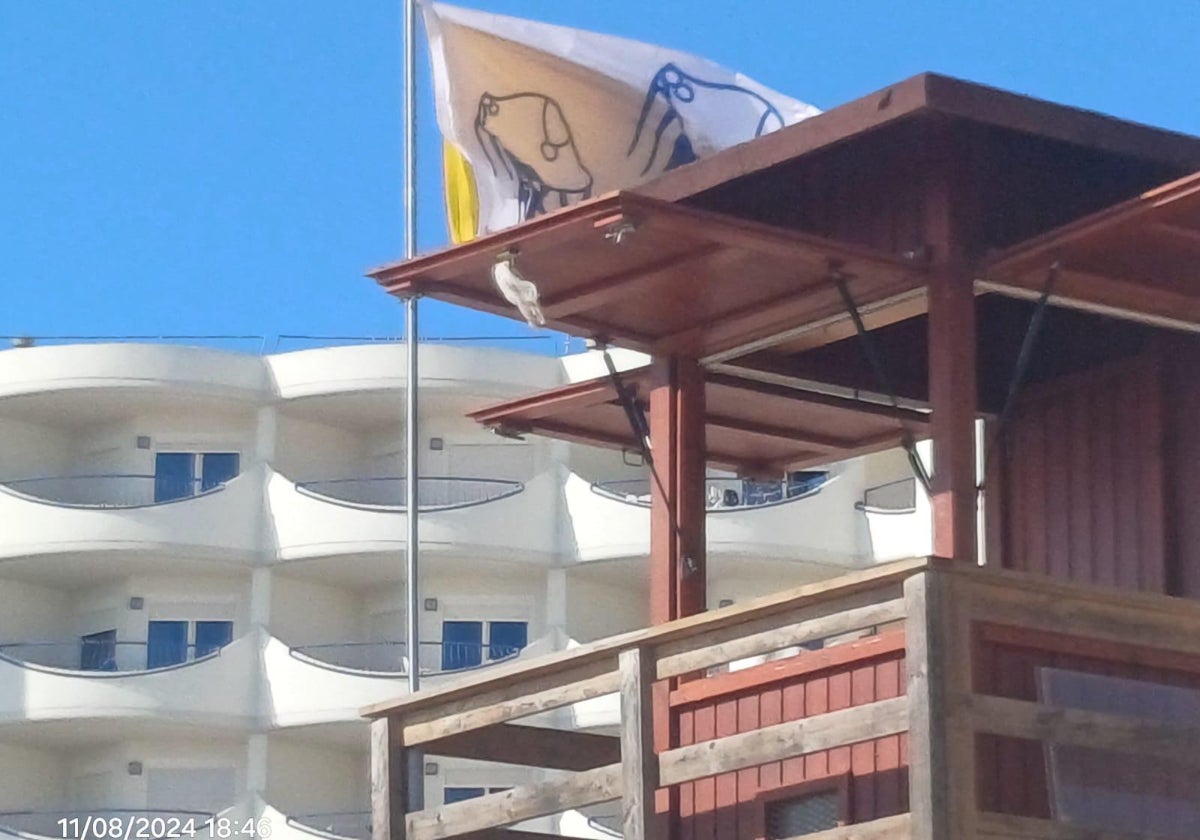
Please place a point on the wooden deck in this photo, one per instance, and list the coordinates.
(962, 706)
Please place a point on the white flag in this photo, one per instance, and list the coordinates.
(545, 116)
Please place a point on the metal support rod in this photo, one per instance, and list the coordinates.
(411, 497)
(410, 129)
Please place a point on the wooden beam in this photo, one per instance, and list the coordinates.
(767, 637)
(677, 500)
(753, 381)
(810, 440)
(639, 763)
(995, 826)
(784, 740)
(531, 746)
(598, 292)
(517, 804)
(887, 828)
(389, 788)
(511, 702)
(1097, 730)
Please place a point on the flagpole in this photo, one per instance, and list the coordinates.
(411, 430)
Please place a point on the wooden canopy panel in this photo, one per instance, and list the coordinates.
(1139, 260)
(662, 278)
(751, 426)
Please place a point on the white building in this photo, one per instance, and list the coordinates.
(201, 567)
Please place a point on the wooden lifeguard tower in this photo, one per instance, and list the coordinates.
(925, 262)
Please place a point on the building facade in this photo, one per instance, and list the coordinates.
(202, 573)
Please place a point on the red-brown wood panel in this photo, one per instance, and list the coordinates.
(811, 683)
(1012, 772)
(1085, 478)
(1182, 458)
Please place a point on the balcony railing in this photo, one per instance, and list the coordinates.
(724, 494)
(103, 657)
(390, 493)
(352, 824)
(99, 822)
(110, 491)
(391, 657)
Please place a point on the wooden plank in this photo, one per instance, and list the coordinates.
(782, 741)
(897, 827)
(600, 656)
(509, 834)
(831, 620)
(518, 700)
(389, 790)
(531, 746)
(639, 764)
(1097, 730)
(517, 804)
(994, 826)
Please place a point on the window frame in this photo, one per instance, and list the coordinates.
(838, 784)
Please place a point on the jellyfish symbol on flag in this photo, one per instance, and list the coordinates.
(691, 101)
(528, 135)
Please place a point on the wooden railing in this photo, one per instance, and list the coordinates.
(940, 605)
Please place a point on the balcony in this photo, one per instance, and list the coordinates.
(354, 825)
(471, 517)
(948, 701)
(811, 516)
(90, 656)
(87, 825)
(47, 683)
(67, 514)
(391, 658)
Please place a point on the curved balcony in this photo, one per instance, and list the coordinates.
(355, 825)
(391, 657)
(899, 520)
(812, 518)
(81, 825)
(131, 513)
(465, 517)
(217, 689)
(391, 493)
(88, 655)
(66, 375)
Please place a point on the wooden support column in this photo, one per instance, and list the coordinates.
(389, 780)
(639, 763)
(678, 570)
(941, 745)
(953, 390)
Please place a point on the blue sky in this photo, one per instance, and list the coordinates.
(233, 167)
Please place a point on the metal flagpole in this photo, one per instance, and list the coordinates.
(412, 546)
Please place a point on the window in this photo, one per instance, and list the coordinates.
(461, 794)
(98, 651)
(180, 475)
(464, 644)
(168, 642)
(806, 808)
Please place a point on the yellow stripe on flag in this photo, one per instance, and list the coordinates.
(462, 196)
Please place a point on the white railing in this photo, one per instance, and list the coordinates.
(723, 494)
(110, 491)
(433, 493)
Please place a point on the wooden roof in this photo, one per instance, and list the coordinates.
(1139, 260)
(751, 426)
(932, 95)
(675, 280)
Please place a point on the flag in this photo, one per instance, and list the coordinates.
(537, 117)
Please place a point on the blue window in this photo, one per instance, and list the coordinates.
(180, 475)
(98, 651)
(217, 468)
(462, 644)
(507, 638)
(461, 794)
(166, 643)
(211, 636)
(466, 644)
(174, 475)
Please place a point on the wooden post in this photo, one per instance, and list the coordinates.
(639, 763)
(953, 390)
(389, 780)
(941, 745)
(677, 506)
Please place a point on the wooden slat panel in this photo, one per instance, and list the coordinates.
(749, 749)
(531, 746)
(896, 827)
(994, 826)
